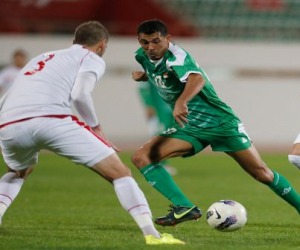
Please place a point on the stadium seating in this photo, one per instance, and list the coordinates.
(242, 19)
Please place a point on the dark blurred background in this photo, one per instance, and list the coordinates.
(220, 19)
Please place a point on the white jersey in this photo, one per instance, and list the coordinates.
(7, 77)
(44, 85)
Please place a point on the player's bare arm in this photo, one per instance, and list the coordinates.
(193, 86)
(139, 76)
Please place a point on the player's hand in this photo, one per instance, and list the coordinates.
(180, 113)
(98, 131)
(139, 76)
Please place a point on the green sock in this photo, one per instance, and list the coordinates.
(161, 180)
(283, 189)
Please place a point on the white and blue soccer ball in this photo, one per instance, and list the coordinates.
(226, 215)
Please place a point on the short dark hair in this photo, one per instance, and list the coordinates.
(90, 33)
(151, 26)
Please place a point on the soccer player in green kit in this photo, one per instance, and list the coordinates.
(201, 118)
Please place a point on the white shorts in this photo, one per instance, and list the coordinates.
(68, 137)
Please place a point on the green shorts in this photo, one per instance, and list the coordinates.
(228, 137)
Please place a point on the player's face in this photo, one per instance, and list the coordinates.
(155, 45)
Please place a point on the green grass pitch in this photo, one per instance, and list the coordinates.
(65, 206)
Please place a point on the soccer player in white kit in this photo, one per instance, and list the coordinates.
(35, 114)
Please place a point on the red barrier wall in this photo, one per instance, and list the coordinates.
(62, 16)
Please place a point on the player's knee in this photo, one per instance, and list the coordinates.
(294, 159)
(138, 159)
(135, 159)
(24, 174)
(111, 170)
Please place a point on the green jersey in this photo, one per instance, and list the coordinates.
(169, 75)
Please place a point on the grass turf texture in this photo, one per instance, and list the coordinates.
(65, 206)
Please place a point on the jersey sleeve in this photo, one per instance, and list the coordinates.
(82, 97)
(140, 58)
(182, 64)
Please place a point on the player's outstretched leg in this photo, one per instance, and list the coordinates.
(10, 186)
(284, 189)
(251, 161)
(133, 200)
(183, 209)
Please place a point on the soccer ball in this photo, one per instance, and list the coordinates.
(226, 215)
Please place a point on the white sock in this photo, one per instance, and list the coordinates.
(294, 159)
(10, 186)
(133, 200)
